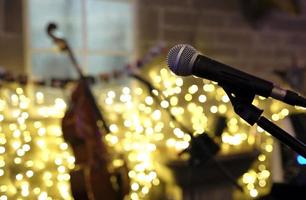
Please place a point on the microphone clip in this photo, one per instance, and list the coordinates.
(242, 103)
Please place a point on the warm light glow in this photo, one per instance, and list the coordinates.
(253, 193)
(202, 98)
(32, 145)
(141, 129)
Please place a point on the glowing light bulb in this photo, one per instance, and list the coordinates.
(164, 104)
(202, 98)
(156, 182)
(1, 172)
(253, 193)
(3, 188)
(135, 186)
(3, 197)
(262, 183)
(188, 97)
(145, 190)
(138, 91)
(179, 82)
(269, 148)
(193, 89)
(208, 87)
(40, 97)
(14, 100)
(2, 150)
(134, 196)
(214, 109)
(29, 173)
(43, 196)
(285, 112)
(173, 101)
(126, 90)
(261, 157)
(20, 152)
(41, 131)
(149, 100)
(109, 101)
(113, 128)
(156, 115)
(222, 108)
(2, 163)
(19, 177)
(111, 94)
(275, 117)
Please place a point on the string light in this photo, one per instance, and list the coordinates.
(139, 127)
(202, 107)
(23, 135)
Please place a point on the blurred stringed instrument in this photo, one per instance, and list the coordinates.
(83, 127)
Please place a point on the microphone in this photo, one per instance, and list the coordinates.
(185, 60)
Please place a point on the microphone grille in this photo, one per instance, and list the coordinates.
(179, 59)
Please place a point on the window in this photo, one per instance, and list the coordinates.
(99, 31)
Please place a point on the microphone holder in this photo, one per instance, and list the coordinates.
(242, 103)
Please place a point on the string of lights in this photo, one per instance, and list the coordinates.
(141, 129)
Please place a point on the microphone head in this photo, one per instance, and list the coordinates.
(181, 58)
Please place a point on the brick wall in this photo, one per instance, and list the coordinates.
(1, 14)
(219, 30)
(11, 36)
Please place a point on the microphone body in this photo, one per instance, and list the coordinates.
(184, 60)
(225, 75)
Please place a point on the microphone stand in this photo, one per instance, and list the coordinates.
(242, 103)
(196, 141)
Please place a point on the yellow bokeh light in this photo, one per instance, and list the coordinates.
(188, 97)
(253, 193)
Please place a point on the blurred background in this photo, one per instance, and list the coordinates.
(161, 136)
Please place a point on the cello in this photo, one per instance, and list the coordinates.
(83, 128)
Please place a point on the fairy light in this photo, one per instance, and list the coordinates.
(1, 172)
(237, 134)
(113, 128)
(222, 109)
(164, 104)
(193, 89)
(109, 101)
(214, 109)
(3, 197)
(40, 97)
(188, 97)
(269, 148)
(253, 193)
(179, 82)
(202, 98)
(139, 127)
(111, 94)
(149, 100)
(173, 101)
(23, 136)
(208, 87)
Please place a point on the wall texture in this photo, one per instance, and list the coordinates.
(11, 37)
(219, 30)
